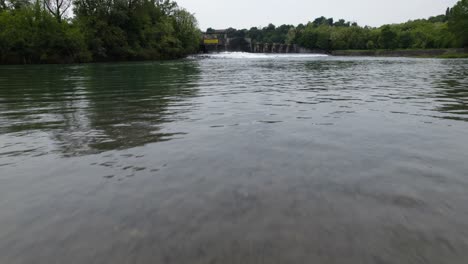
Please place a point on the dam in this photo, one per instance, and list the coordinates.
(218, 41)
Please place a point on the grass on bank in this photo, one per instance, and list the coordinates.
(454, 56)
(417, 53)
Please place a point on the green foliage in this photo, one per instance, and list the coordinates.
(101, 30)
(31, 35)
(270, 34)
(388, 37)
(458, 21)
(35, 31)
(454, 56)
(449, 30)
(187, 32)
(140, 29)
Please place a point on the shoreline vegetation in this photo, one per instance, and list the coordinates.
(412, 53)
(40, 32)
(436, 36)
(37, 31)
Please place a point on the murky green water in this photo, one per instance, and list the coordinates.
(235, 159)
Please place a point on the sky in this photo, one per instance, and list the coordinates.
(221, 14)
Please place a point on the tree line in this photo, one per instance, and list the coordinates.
(67, 31)
(449, 30)
(44, 31)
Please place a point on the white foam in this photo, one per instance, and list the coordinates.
(246, 55)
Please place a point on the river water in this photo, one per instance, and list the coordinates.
(235, 158)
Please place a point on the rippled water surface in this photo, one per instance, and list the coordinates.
(235, 158)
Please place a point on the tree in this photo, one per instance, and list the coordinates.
(322, 21)
(18, 4)
(3, 5)
(186, 28)
(167, 6)
(57, 7)
(458, 21)
(406, 39)
(342, 23)
(291, 36)
(387, 37)
(270, 27)
(323, 37)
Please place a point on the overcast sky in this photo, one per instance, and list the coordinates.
(220, 14)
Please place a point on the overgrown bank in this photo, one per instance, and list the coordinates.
(43, 31)
(38, 32)
(448, 30)
(418, 53)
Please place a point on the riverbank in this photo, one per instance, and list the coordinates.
(418, 53)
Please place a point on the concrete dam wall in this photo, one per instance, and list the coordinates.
(246, 45)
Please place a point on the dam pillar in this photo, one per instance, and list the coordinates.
(283, 48)
(258, 48)
(294, 48)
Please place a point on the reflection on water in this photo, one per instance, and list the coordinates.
(235, 158)
(94, 108)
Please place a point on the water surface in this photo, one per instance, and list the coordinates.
(235, 158)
